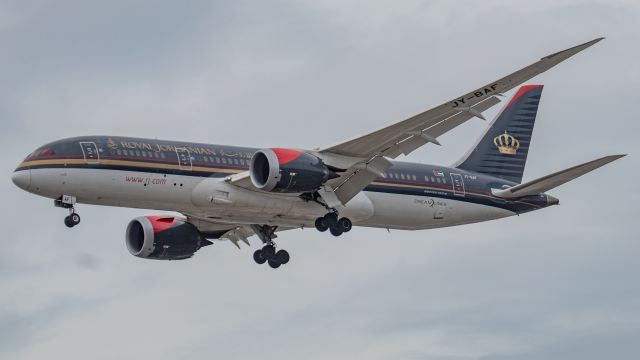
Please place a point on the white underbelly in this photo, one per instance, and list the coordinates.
(412, 212)
(205, 197)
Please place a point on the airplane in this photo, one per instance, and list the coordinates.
(230, 193)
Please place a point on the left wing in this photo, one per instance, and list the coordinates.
(366, 155)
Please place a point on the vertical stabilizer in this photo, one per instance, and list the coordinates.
(502, 150)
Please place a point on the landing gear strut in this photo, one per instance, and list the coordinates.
(68, 202)
(336, 226)
(268, 253)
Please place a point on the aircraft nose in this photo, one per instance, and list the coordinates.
(22, 178)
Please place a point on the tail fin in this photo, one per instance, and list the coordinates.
(502, 150)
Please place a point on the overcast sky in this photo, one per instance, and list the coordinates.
(555, 284)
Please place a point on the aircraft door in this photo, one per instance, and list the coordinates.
(184, 158)
(90, 152)
(458, 185)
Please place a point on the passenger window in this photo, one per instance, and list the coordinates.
(162, 155)
(119, 152)
(413, 177)
(402, 176)
(217, 160)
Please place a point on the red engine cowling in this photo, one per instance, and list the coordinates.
(287, 170)
(163, 238)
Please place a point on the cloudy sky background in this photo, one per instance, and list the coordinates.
(555, 284)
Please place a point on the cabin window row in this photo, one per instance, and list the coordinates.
(411, 177)
(226, 161)
(160, 155)
(141, 153)
(400, 176)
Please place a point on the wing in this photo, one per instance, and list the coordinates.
(365, 157)
(235, 233)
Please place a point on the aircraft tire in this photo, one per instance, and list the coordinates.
(330, 219)
(268, 252)
(282, 256)
(258, 258)
(68, 222)
(321, 224)
(344, 224)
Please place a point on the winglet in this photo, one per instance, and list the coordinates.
(565, 54)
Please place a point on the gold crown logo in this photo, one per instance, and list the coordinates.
(506, 144)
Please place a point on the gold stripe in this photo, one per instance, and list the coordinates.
(127, 163)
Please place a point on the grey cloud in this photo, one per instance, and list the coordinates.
(552, 284)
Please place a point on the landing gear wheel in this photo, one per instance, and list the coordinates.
(72, 220)
(274, 264)
(268, 252)
(335, 231)
(75, 219)
(257, 256)
(282, 256)
(344, 224)
(321, 224)
(331, 219)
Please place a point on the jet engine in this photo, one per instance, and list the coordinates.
(163, 238)
(288, 171)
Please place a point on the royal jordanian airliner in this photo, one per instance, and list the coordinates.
(232, 193)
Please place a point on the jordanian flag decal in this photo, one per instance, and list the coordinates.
(438, 173)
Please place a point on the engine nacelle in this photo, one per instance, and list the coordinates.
(163, 238)
(288, 171)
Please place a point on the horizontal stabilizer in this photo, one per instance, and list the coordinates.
(545, 183)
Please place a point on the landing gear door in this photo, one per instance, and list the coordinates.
(184, 158)
(90, 152)
(458, 184)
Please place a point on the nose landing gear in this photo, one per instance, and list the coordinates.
(336, 226)
(68, 202)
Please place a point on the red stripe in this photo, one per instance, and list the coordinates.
(161, 223)
(286, 155)
(523, 90)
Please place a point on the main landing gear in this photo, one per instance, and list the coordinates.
(68, 202)
(268, 253)
(336, 226)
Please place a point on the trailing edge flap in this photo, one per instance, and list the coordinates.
(545, 183)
